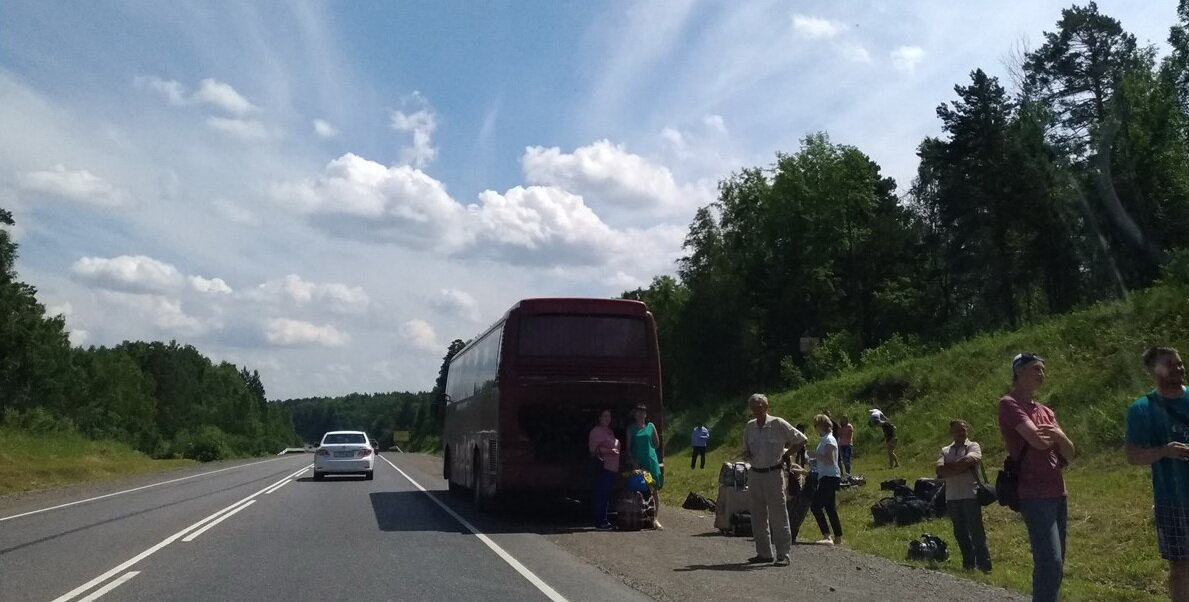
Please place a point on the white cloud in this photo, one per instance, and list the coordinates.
(421, 335)
(137, 274)
(358, 198)
(324, 129)
(815, 27)
(210, 92)
(715, 123)
(223, 96)
(856, 52)
(235, 213)
(65, 310)
(248, 130)
(676, 140)
(540, 225)
(78, 337)
(81, 186)
(457, 303)
(294, 333)
(608, 175)
(293, 289)
(162, 312)
(214, 286)
(906, 58)
(173, 91)
(421, 123)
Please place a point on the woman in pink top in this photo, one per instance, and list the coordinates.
(1041, 449)
(604, 447)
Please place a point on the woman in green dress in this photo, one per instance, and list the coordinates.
(642, 443)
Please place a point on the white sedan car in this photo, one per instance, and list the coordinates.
(344, 452)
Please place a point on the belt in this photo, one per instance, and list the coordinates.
(769, 469)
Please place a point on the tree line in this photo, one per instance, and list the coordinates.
(165, 399)
(1065, 186)
(378, 414)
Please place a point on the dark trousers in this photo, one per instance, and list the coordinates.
(845, 452)
(699, 452)
(602, 495)
(824, 505)
(967, 516)
(799, 504)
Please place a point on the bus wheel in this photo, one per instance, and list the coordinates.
(477, 472)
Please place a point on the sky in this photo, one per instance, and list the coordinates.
(331, 192)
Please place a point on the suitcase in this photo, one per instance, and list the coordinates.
(634, 510)
(731, 501)
(733, 474)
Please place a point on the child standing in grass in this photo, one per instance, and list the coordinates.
(1158, 436)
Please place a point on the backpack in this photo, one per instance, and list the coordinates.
(740, 524)
(928, 547)
(881, 511)
(932, 491)
(909, 511)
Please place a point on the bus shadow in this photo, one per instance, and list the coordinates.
(415, 511)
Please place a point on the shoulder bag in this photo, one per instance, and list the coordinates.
(1007, 482)
(983, 490)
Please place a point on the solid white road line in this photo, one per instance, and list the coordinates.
(283, 483)
(515, 564)
(110, 586)
(153, 550)
(99, 497)
(226, 516)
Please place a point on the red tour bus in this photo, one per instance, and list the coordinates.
(522, 396)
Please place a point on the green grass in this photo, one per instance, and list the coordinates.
(31, 461)
(1094, 373)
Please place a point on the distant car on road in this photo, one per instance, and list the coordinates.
(344, 452)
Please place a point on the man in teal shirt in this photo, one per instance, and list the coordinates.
(1158, 435)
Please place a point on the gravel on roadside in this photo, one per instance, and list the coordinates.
(690, 560)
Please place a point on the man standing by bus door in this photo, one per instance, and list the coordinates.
(767, 442)
(698, 440)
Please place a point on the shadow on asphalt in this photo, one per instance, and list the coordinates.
(332, 478)
(414, 511)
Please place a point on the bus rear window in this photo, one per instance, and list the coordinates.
(583, 336)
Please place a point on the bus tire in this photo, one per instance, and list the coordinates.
(477, 472)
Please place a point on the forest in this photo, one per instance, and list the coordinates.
(1064, 186)
(164, 399)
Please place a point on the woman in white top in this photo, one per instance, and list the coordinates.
(825, 463)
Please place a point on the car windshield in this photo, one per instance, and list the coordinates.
(343, 438)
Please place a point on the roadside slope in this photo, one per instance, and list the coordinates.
(31, 461)
(1094, 373)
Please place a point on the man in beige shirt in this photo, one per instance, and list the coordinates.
(767, 442)
(957, 464)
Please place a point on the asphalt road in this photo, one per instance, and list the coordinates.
(264, 530)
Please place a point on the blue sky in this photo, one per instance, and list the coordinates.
(331, 192)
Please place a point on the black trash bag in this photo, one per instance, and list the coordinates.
(695, 501)
(891, 484)
(909, 511)
(882, 512)
(931, 491)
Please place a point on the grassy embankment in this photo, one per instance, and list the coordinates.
(31, 461)
(1094, 373)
